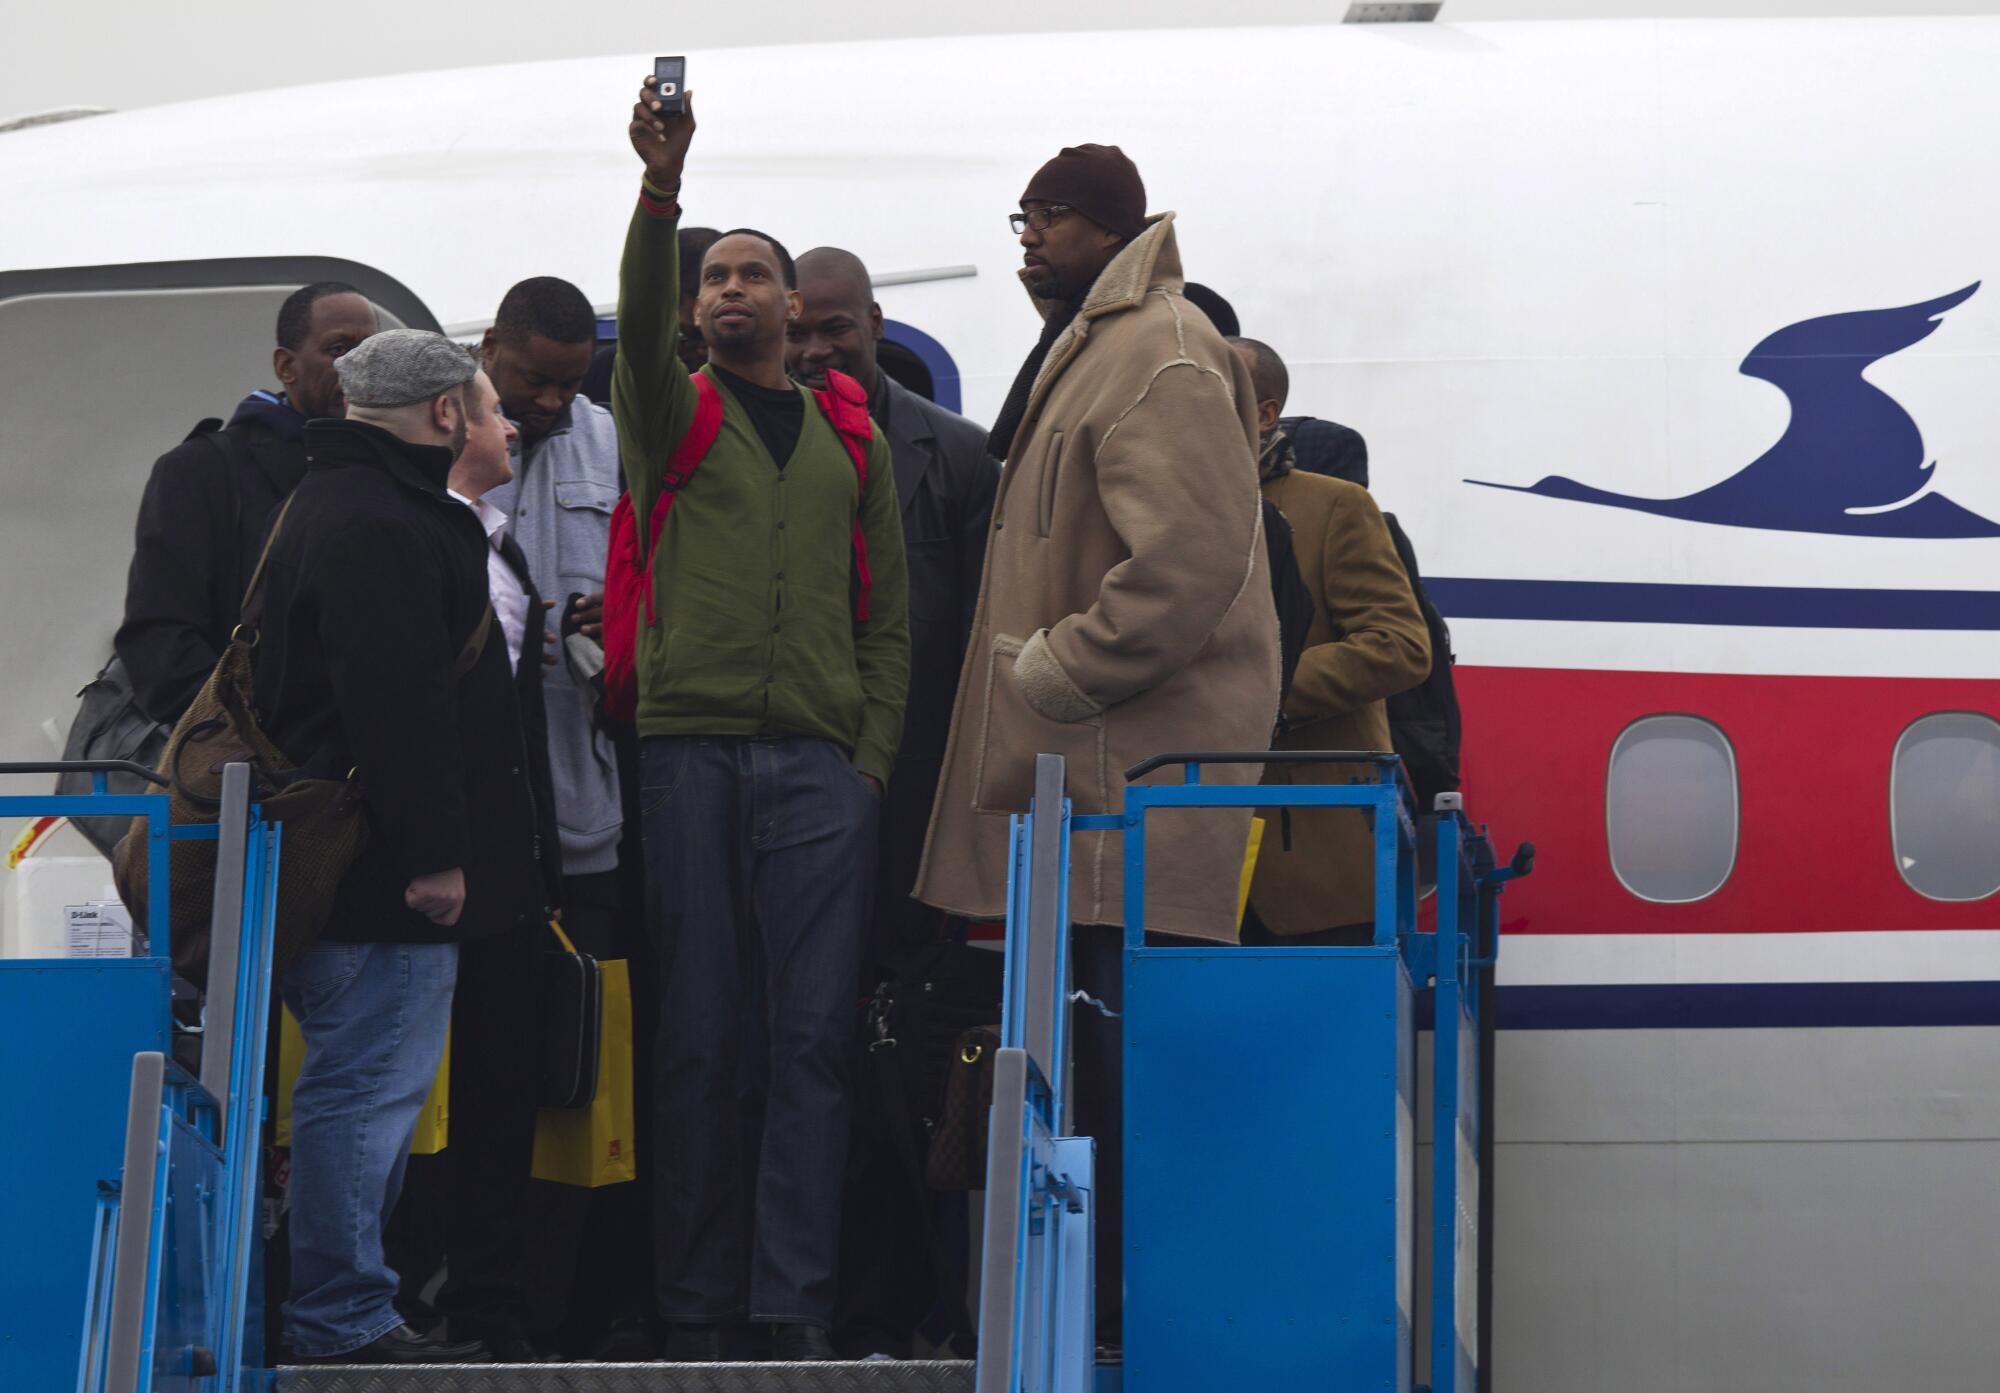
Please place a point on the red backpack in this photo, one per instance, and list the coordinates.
(628, 570)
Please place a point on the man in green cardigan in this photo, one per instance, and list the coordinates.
(772, 672)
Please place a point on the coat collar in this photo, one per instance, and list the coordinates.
(1153, 258)
(332, 444)
(1149, 262)
(908, 427)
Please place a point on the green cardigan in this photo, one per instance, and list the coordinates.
(754, 630)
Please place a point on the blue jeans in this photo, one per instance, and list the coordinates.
(760, 865)
(374, 1017)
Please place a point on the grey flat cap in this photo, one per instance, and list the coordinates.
(399, 366)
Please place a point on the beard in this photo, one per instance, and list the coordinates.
(458, 436)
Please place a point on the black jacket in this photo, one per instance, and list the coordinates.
(376, 581)
(201, 525)
(945, 482)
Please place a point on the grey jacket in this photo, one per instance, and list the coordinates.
(559, 511)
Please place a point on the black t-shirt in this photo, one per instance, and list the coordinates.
(778, 413)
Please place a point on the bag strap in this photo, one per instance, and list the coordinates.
(884, 1056)
(845, 406)
(251, 611)
(475, 644)
(563, 938)
(468, 653)
(689, 452)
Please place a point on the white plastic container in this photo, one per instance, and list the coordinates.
(39, 893)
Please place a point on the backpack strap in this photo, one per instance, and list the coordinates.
(845, 406)
(688, 454)
(236, 458)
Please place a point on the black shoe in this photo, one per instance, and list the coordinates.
(404, 1345)
(516, 1348)
(692, 1344)
(800, 1344)
(626, 1342)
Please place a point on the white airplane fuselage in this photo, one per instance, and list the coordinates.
(1702, 300)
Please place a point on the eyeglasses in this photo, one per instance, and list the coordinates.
(1037, 218)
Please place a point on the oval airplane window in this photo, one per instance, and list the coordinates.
(1671, 808)
(1944, 806)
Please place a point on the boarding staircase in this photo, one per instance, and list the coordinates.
(1273, 1109)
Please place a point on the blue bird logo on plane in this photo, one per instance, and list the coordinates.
(1851, 461)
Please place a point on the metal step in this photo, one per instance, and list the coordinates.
(881, 1376)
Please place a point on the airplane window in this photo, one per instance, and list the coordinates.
(1671, 808)
(1944, 806)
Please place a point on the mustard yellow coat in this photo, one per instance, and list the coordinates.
(1367, 643)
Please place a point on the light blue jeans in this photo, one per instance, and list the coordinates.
(374, 1018)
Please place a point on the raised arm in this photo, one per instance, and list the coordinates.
(652, 399)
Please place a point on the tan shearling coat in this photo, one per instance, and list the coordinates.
(1367, 643)
(1125, 608)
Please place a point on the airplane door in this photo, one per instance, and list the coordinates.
(108, 367)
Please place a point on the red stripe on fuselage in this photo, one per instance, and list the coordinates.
(1812, 755)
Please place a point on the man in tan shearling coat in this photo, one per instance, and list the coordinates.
(1124, 611)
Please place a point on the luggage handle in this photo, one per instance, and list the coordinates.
(85, 766)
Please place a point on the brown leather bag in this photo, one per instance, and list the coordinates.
(958, 1151)
(324, 829)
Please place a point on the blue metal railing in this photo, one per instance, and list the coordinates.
(171, 1215)
(1037, 1327)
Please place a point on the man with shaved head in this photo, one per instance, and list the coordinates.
(945, 482)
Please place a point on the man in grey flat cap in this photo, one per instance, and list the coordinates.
(374, 656)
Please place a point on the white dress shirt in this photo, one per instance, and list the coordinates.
(510, 599)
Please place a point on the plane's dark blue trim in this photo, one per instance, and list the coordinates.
(1775, 606)
(1743, 1006)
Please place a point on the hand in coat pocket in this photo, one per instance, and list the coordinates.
(1015, 729)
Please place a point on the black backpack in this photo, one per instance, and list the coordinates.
(1423, 721)
(1327, 447)
(1289, 594)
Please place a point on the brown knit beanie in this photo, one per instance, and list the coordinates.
(1099, 182)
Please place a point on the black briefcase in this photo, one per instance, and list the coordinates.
(573, 1008)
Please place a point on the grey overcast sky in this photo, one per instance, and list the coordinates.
(126, 53)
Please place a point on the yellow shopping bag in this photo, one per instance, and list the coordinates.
(432, 1124)
(593, 1146)
(1249, 867)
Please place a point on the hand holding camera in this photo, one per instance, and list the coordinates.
(663, 123)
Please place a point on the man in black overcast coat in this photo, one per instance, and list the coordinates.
(945, 482)
(379, 653)
(209, 500)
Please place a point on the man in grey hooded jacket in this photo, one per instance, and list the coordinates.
(587, 1254)
(565, 485)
